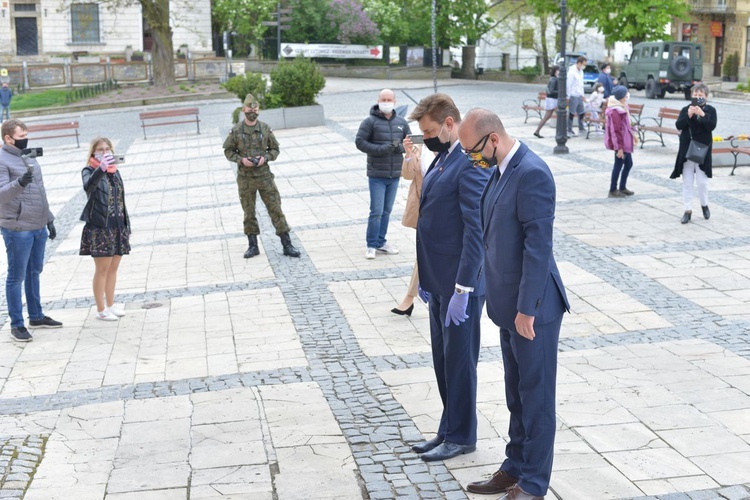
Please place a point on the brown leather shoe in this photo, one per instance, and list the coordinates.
(516, 493)
(498, 483)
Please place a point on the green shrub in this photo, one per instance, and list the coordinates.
(295, 83)
(742, 87)
(728, 65)
(528, 72)
(249, 83)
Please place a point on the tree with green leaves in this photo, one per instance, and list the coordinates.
(468, 21)
(632, 21)
(243, 17)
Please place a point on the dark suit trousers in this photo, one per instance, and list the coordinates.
(530, 380)
(455, 352)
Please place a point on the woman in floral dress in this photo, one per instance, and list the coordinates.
(106, 235)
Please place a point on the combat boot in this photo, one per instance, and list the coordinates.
(252, 249)
(289, 249)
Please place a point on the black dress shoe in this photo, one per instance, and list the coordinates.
(498, 483)
(536, 134)
(686, 217)
(407, 312)
(447, 450)
(426, 446)
(706, 212)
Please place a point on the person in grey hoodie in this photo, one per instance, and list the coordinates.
(381, 136)
(6, 94)
(25, 222)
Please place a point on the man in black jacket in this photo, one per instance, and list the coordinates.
(381, 136)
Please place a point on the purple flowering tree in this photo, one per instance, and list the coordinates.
(352, 22)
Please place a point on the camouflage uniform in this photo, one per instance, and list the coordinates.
(248, 141)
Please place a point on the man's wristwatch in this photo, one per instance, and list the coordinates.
(461, 292)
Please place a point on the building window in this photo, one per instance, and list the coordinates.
(689, 32)
(24, 7)
(527, 38)
(84, 21)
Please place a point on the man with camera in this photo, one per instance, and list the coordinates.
(26, 223)
(251, 145)
(381, 136)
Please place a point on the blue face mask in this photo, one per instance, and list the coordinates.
(700, 101)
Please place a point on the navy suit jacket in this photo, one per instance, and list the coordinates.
(517, 215)
(449, 231)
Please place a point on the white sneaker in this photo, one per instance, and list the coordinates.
(388, 249)
(105, 315)
(117, 311)
(370, 254)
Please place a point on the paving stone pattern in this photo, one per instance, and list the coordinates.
(278, 378)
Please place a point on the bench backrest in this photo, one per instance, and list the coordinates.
(52, 126)
(636, 109)
(669, 113)
(146, 115)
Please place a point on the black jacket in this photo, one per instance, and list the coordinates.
(375, 137)
(98, 192)
(552, 90)
(700, 129)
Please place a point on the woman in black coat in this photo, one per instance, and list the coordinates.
(696, 121)
(106, 235)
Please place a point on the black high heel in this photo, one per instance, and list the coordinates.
(398, 311)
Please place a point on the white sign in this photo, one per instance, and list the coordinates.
(332, 50)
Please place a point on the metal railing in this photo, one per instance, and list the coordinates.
(713, 6)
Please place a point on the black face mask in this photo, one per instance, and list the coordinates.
(21, 143)
(435, 145)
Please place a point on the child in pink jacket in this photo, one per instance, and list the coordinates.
(619, 137)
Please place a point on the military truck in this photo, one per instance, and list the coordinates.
(661, 67)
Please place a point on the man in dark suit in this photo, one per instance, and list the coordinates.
(449, 257)
(525, 298)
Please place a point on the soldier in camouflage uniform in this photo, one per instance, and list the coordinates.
(251, 145)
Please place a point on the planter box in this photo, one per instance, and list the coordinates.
(302, 116)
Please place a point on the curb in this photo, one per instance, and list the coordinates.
(130, 103)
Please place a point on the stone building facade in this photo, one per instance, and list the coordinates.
(34, 30)
(723, 27)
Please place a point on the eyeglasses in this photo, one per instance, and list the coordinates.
(475, 154)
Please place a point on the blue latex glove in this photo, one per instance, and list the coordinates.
(424, 296)
(457, 309)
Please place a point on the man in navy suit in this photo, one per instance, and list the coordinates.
(449, 259)
(525, 298)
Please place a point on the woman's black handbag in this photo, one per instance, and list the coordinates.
(697, 152)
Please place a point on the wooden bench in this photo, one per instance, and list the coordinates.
(658, 127)
(734, 148)
(601, 120)
(67, 129)
(168, 114)
(635, 115)
(534, 105)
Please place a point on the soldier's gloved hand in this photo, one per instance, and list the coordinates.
(26, 178)
(52, 231)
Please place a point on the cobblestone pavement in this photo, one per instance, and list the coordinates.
(277, 378)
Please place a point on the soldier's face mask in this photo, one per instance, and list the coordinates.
(251, 115)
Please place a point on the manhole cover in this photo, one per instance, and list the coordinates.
(151, 305)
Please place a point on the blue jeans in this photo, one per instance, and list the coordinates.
(25, 250)
(382, 195)
(625, 164)
(6, 113)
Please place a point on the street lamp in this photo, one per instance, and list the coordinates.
(561, 136)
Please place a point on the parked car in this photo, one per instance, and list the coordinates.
(590, 71)
(661, 67)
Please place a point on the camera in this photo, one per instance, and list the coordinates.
(254, 160)
(32, 152)
(694, 101)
